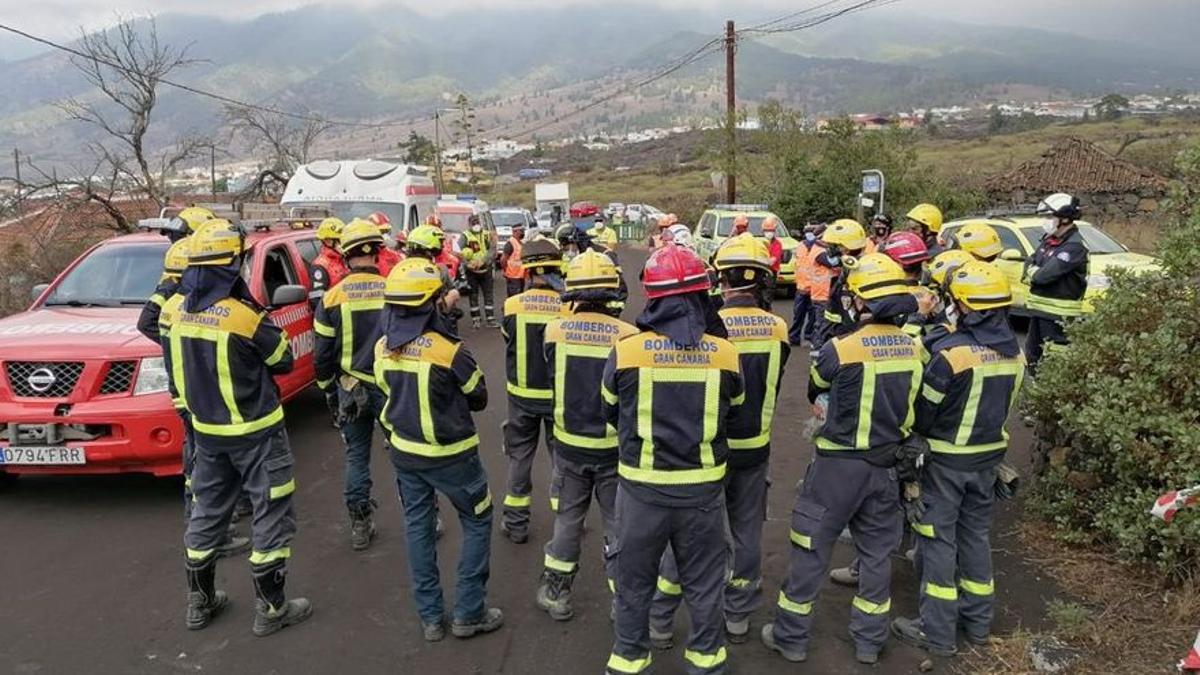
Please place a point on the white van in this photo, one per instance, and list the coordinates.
(358, 188)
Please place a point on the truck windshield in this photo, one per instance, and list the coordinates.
(725, 225)
(348, 211)
(111, 276)
(1097, 241)
(508, 218)
(454, 221)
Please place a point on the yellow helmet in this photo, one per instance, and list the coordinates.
(426, 237)
(875, 275)
(743, 251)
(413, 282)
(541, 254)
(847, 233)
(592, 270)
(195, 216)
(928, 215)
(980, 285)
(980, 240)
(944, 262)
(176, 259)
(216, 243)
(359, 232)
(330, 229)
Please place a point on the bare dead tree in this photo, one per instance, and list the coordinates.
(288, 143)
(126, 64)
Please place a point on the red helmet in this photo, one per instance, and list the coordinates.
(906, 248)
(674, 270)
(379, 218)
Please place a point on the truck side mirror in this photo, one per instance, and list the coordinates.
(36, 291)
(1012, 254)
(288, 295)
(706, 233)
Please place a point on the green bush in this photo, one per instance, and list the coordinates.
(1118, 411)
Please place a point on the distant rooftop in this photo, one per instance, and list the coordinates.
(1077, 166)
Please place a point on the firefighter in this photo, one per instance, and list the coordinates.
(669, 391)
(980, 240)
(805, 256)
(427, 242)
(760, 337)
(510, 262)
(966, 395)
(1057, 276)
(187, 222)
(926, 221)
(476, 253)
(347, 326)
(770, 229)
(602, 234)
(530, 389)
(658, 232)
(155, 323)
(585, 447)
(843, 238)
(328, 268)
(225, 351)
(862, 385)
(387, 257)
(432, 384)
(881, 229)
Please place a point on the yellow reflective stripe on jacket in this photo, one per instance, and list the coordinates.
(954, 449)
(177, 368)
(588, 442)
(324, 330)
(562, 352)
(701, 660)
(816, 377)
(668, 587)
(526, 392)
(473, 383)
(279, 352)
(521, 386)
(977, 588)
(672, 477)
(433, 449)
(867, 607)
(801, 540)
(789, 605)
(979, 375)
(284, 490)
(932, 395)
(609, 397)
(752, 443)
(241, 429)
(225, 379)
(1054, 306)
(941, 592)
(157, 300)
(866, 401)
(552, 563)
(264, 557)
(631, 666)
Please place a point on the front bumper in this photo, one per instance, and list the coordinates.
(134, 434)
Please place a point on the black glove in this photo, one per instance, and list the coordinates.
(1008, 482)
(910, 458)
(331, 400)
(914, 507)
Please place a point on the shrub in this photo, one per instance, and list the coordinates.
(1118, 411)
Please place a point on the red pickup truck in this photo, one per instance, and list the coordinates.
(82, 392)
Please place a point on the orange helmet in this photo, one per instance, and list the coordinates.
(741, 223)
(433, 220)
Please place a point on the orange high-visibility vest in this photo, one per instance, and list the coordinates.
(512, 269)
(821, 279)
(806, 259)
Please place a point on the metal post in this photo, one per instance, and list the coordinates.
(437, 151)
(730, 113)
(212, 169)
(20, 185)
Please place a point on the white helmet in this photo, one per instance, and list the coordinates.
(1060, 205)
(680, 234)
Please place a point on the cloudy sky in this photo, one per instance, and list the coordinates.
(1162, 22)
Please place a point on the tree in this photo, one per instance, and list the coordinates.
(288, 142)
(126, 64)
(995, 120)
(1112, 107)
(465, 125)
(419, 149)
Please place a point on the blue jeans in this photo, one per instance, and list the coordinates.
(465, 484)
(801, 319)
(358, 434)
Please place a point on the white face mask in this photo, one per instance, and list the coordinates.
(769, 235)
(1050, 225)
(477, 228)
(952, 314)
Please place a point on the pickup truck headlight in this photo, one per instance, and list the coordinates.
(1098, 282)
(152, 377)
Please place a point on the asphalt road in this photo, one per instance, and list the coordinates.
(91, 571)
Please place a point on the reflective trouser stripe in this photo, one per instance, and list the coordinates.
(801, 540)
(554, 504)
(284, 490)
(977, 588)
(705, 660)
(941, 592)
(923, 529)
(868, 607)
(264, 557)
(801, 608)
(631, 666)
(200, 554)
(484, 504)
(518, 501)
(667, 587)
(557, 565)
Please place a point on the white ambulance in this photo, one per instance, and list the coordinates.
(358, 188)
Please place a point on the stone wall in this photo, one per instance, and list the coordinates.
(1100, 208)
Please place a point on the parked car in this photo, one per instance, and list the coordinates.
(83, 392)
(584, 210)
(1022, 233)
(642, 213)
(716, 224)
(613, 209)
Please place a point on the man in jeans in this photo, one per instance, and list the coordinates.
(432, 385)
(347, 328)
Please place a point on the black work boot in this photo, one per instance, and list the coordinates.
(492, 619)
(273, 613)
(554, 595)
(362, 525)
(911, 632)
(204, 601)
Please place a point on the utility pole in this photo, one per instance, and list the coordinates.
(437, 150)
(20, 185)
(730, 113)
(212, 168)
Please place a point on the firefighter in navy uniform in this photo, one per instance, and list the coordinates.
(842, 238)
(174, 264)
(328, 267)
(224, 353)
(585, 446)
(744, 264)
(863, 384)
(968, 390)
(1057, 276)
(432, 385)
(670, 391)
(347, 326)
(530, 388)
